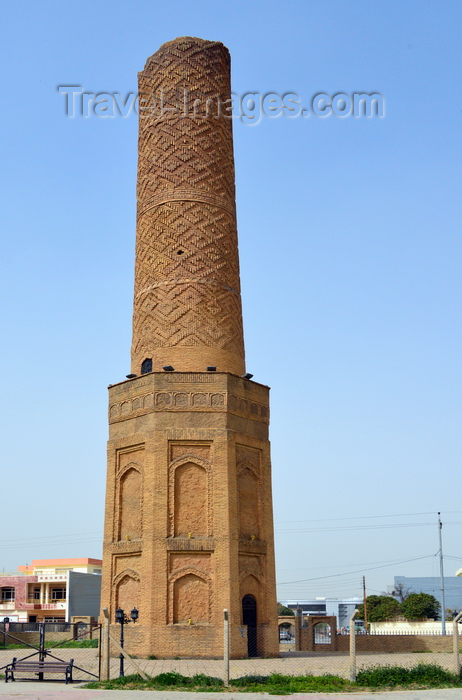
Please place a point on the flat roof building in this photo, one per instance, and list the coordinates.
(51, 590)
(341, 608)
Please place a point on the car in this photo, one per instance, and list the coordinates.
(285, 637)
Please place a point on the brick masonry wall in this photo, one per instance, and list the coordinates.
(189, 527)
(396, 643)
(187, 304)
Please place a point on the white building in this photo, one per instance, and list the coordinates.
(342, 608)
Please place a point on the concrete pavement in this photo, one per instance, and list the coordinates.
(26, 690)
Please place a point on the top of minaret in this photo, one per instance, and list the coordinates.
(184, 43)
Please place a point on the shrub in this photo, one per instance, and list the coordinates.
(170, 678)
(423, 674)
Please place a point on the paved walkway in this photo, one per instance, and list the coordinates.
(23, 690)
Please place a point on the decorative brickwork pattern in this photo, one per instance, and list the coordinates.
(187, 288)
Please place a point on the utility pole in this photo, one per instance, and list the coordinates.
(365, 603)
(443, 604)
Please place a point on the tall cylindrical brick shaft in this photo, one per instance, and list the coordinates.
(187, 304)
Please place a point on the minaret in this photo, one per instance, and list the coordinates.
(188, 522)
(187, 308)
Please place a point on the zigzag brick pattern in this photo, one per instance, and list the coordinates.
(187, 305)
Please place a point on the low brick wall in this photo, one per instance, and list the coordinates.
(50, 637)
(395, 643)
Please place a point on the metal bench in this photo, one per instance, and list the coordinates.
(38, 668)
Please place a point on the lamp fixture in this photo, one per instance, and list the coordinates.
(168, 368)
(123, 619)
(131, 376)
(247, 376)
(210, 368)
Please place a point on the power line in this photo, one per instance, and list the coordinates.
(366, 517)
(352, 527)
(359, 571)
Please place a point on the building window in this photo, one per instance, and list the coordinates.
(146, 366)
(58, 594)
(7, 594)
(36, 593)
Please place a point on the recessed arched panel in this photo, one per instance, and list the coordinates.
(249, 505)
(127, 593)
(190, 599)
(190, 500)
(130, 520)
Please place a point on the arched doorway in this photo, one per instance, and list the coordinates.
(249, 618)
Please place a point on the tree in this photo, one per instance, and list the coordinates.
(401, 591)
(282, 610)
(420, 605)
(450, 614)
(379, 608)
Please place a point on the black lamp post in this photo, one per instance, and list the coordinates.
(122, 619)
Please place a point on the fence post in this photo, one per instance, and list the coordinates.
(353, 647)
(226, 646)
(105, 665)
(455, 643)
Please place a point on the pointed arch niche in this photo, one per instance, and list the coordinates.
(248, 488)
(127, 590)
(190, 484)
(190, 597)
(130, 497)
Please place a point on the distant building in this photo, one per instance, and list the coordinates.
(432, 585)
(51, 590)
(342, 608)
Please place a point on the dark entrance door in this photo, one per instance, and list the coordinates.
(249, 618)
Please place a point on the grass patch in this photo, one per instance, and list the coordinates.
(421, 676)
(424, 675)
(171, 679)
(17, 646)
(73, 644)
(78, 644)
(277, 684)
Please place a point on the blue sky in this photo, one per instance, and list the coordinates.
(350, 252)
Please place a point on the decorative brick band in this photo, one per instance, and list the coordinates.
(187, 401)
(186, 280)
(252, 546)
(182, 544)
(179, 195)
(191, 378)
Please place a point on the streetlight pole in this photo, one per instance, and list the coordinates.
(443, 602)
(122, 619)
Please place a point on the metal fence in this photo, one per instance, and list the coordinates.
(50, 641)
(339, 654)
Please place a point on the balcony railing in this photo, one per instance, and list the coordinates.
(37, 601)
